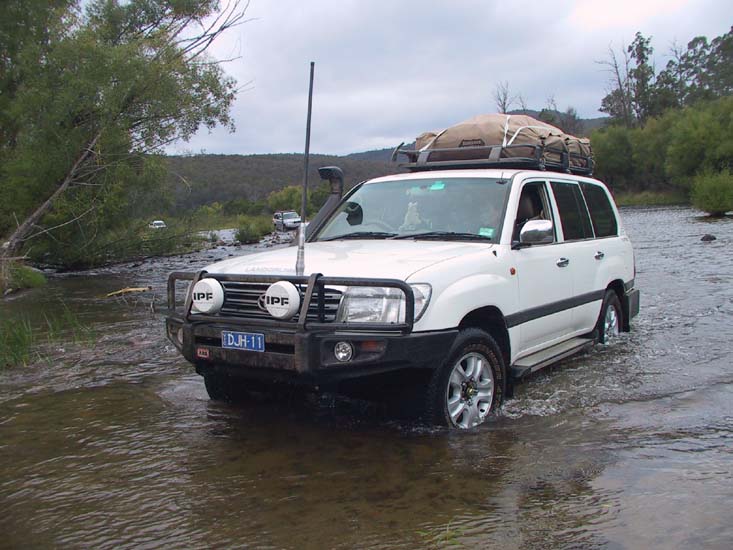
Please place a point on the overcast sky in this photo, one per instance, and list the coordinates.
(387, 70)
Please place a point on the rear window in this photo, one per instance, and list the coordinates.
(573, 213)
(601, 212)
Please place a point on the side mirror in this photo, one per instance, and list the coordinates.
(537, 232)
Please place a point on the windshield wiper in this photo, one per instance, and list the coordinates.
(361, 235)
(445, 235)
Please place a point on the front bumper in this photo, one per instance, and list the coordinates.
(303, 351)
(308, 358)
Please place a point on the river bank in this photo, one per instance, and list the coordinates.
(649, 199)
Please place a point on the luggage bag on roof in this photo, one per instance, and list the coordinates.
(504, 140)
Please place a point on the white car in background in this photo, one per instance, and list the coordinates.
(286, 220)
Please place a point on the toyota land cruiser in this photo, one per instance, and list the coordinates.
(464, 279)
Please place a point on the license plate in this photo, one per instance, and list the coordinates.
(249, 341)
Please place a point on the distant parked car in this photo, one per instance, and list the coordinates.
(157, 224)
(285, 220)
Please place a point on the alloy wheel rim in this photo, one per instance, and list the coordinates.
(470, 391)
(610, 323)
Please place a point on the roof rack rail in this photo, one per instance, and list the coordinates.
(523, 156)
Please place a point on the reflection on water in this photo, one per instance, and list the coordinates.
(115, 444)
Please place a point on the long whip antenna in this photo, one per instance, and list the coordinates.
(300, 262)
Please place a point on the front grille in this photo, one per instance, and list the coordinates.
(240, 300)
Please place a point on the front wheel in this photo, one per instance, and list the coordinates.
(470, 384)
(220, 387)
(611, 318)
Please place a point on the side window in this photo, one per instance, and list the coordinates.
(533, 205)
(573, 213)
(601, 212)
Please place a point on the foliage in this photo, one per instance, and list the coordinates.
(712, 192)
(667, 153)
(702, 72)
(252, 229)
(16, 341)
(89, 98)
(289, 198)
(25, 277)
(19, 340)
(651, 198)
(701, 139)
(16, 276)
(204, 179)
(612, 152)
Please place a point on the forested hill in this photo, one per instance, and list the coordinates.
(203, 179)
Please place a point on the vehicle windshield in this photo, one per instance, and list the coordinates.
(430, 208)
(290, 215)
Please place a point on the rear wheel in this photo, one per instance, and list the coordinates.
(611, 318)
(470, 384)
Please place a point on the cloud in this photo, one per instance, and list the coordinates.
(387, 71)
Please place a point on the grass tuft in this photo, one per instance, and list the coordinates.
(16, 342)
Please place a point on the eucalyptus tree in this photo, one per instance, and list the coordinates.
(92, 99)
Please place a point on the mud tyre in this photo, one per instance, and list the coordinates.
(470, 385)
(218, 387)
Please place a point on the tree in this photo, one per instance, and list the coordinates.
(502, 97)
(631, 99)
(112, 87)
(613, 154)
(570, 122)
(288, 198)
(549, 113)
(617, 103)
(700, 141)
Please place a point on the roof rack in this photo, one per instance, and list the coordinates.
(523, 156)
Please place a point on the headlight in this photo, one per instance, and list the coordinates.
(369, 304)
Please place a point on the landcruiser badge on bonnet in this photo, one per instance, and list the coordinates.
(282, 300)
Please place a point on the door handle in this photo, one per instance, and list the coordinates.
(562, 262)
(599, 255)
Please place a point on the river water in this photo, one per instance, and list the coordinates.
(110, 441)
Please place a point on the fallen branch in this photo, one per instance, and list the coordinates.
(129, 290)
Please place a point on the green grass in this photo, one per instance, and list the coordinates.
(17, 276)
(25, 277)
(652, 198)
(16, 342)
(19, 340)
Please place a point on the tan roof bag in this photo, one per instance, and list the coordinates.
(508, 131)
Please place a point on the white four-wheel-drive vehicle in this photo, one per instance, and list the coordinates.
(285, 221)
(444, 286)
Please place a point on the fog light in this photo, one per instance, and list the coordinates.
(179, 335)
(343, 351)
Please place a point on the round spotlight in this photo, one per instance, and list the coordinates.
(208, 296)
(343, 351)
